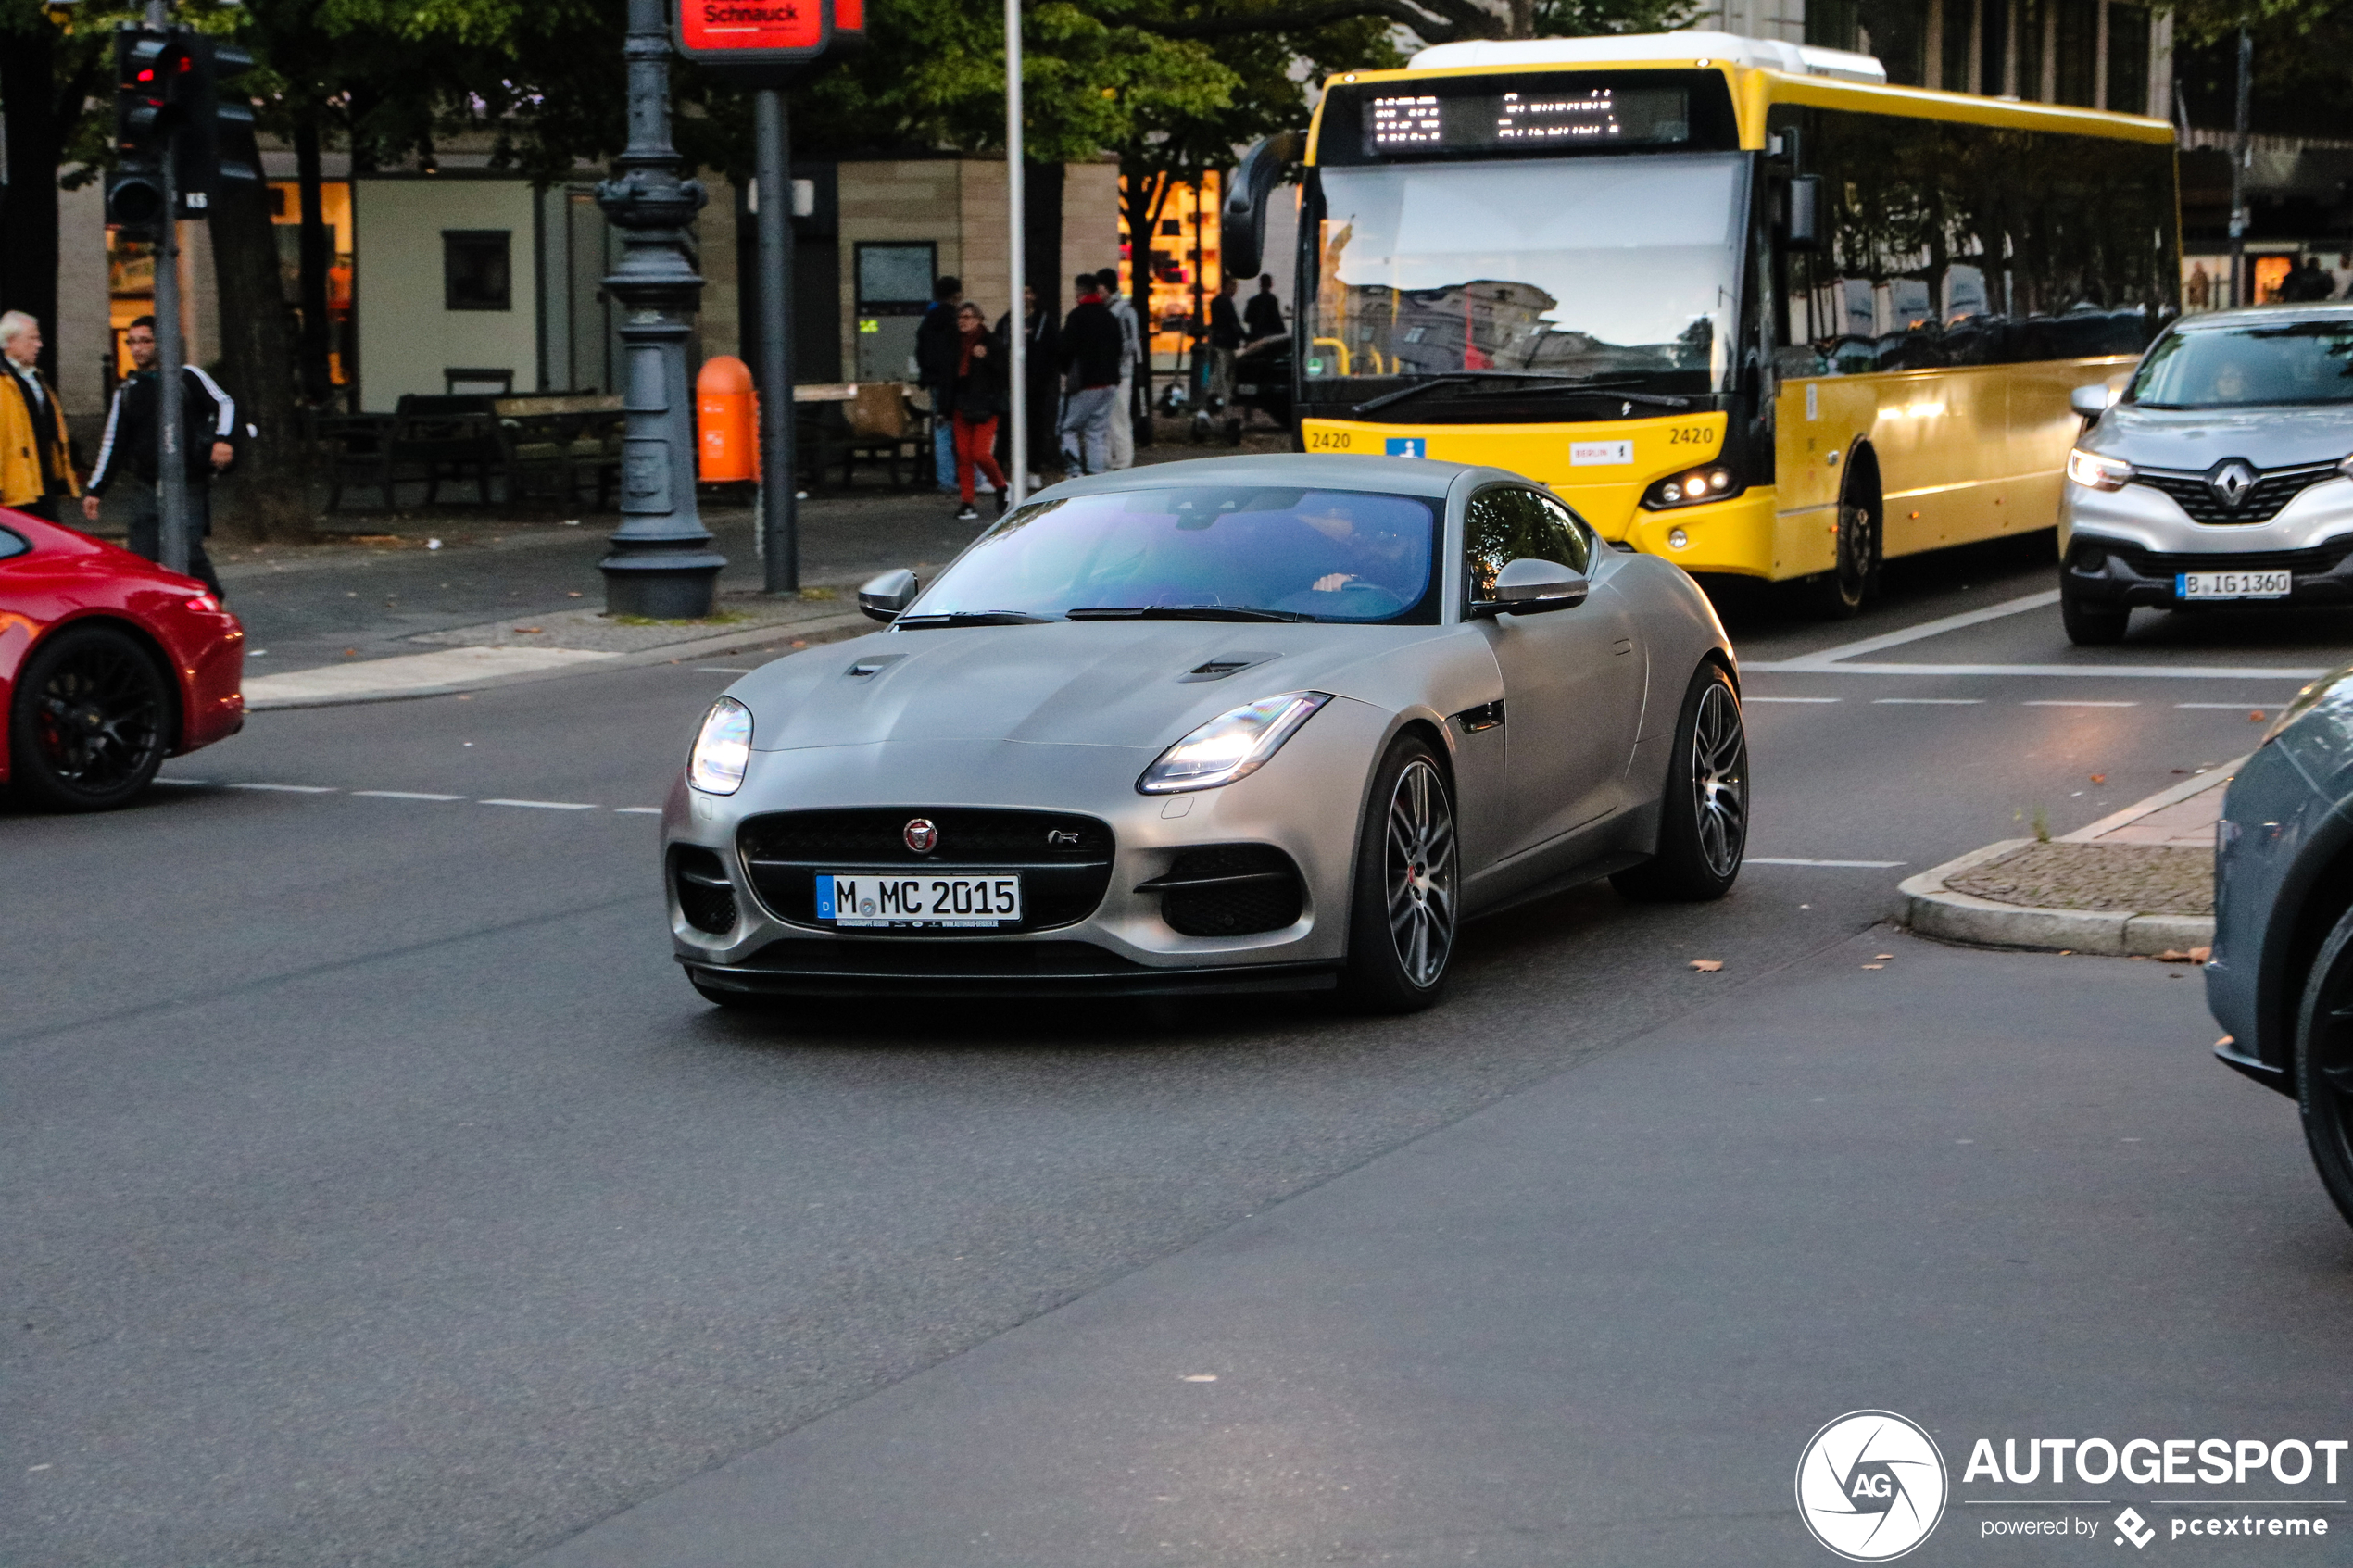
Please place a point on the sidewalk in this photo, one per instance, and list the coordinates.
(2139, 883)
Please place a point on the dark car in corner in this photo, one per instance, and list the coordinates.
(2281, 975)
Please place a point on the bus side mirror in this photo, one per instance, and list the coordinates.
(1804, 230)
(1244, 228)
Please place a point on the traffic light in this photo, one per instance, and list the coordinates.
(218, 148)
(149, 101)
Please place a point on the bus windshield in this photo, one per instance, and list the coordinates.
(2240, 367)
(1617, 269)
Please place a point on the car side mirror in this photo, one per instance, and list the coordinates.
(883, 597)
(1529, 586)
(2091, 402)
(1804, 228)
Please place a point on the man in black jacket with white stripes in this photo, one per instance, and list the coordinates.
(127, 451)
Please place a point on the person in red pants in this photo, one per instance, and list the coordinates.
(979, 402)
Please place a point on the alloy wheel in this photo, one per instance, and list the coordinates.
(97, 718)
(1720, 780)
(1420, 879)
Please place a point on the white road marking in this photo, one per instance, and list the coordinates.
(190, 784)
(1928, 701)
(1914, 633)
(2226, 707)
(2071, 702)
(1785, 861)
(405, 795)
(288, 789)
(2125, 672)
(637, 810)
(548, 805)
(1753, 699)
(720, 670)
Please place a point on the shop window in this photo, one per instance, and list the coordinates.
(475, 271)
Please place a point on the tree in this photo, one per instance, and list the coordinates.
(47, 74)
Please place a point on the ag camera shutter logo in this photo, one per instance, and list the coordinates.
(1872, 1486)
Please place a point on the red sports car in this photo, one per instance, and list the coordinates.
(108, 664)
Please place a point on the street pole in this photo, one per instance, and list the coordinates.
(1017, 370)
(171, 462)
(779, 517)
(2239, 293)
(662, 565)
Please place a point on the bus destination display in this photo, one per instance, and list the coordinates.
(1507, 121)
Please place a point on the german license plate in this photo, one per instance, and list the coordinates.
(868, 898)
(2232, 584)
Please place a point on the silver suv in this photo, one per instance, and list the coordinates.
(2220, 475)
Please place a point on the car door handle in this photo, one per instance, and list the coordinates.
(1623, 644)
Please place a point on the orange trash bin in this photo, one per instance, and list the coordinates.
(727, 421)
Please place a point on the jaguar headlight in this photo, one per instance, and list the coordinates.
(2096, 473)
(722, 748)
(1232, 746)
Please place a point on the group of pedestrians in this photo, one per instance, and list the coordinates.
(37, 470)
(1081, 375)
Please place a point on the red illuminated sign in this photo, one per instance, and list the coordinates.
(759, 40)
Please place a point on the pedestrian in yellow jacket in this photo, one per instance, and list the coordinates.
(36, 466)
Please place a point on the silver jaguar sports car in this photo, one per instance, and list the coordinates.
(1237, 724)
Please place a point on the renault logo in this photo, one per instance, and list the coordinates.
(920, 835)
(2231, 480)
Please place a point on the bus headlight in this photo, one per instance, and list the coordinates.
(1713, 483)
(2096, 473)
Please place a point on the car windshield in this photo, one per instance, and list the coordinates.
(1617, 267)
(2249, 366)
(1313, 554)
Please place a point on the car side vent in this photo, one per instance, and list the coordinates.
(1226, 664)
(705, 895)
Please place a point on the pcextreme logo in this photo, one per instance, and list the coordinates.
(1870, 1485)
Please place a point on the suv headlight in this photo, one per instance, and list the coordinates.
(2096, 473)
(722, 748)
(1232, 746)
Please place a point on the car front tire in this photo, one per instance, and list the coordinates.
(1401, 918)
(91, 721)
(1702, 829)
(2089, 625)
(2324, 1064)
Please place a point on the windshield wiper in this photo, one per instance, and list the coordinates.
(1599, 386)
(1648, 399)
(1179, 612)
(974, 618)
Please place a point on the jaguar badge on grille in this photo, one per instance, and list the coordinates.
(920, 835)
(2231, 480)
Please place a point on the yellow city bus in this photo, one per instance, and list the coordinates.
(1740, 303)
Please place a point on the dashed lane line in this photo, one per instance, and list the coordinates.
(1792, 860)
(1756, 699)
(1928, 702)
(424, 796)
(2075, 702)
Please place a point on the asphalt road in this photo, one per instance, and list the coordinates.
(375, 1192)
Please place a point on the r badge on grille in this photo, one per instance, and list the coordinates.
(2231, 480)
(920, 835)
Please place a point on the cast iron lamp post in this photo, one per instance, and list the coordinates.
(661, 564)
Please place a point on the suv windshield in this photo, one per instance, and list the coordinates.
(1310, 555)
(1617, 267)
(2247, 366)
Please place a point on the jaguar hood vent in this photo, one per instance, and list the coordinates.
(1226, 664)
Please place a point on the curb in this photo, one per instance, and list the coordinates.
(1932, 909)
(831, 629)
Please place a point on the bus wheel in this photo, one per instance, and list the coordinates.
(1846, 588)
